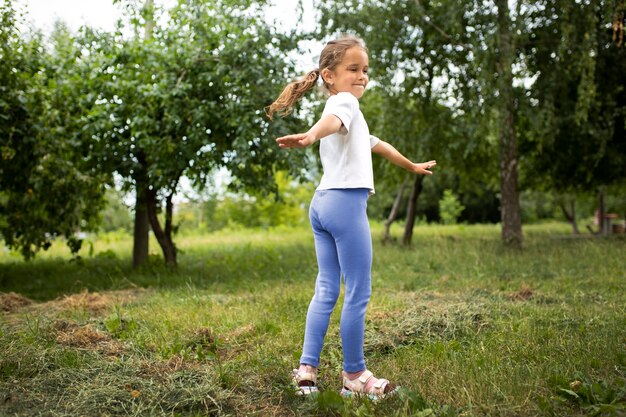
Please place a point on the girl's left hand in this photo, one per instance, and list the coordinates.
(424, 167)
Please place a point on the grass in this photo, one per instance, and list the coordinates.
(467, 327)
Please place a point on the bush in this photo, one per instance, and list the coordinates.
(288, 207)
(450, 208)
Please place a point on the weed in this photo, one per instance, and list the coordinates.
(121, 327)
(595, 397)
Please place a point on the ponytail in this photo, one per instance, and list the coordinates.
(283, 105)
(331, 56)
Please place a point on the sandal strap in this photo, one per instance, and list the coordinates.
(307, 390)
(358, 385)
(365, 376)
(310, 387)
(304, 376)
(380, 386)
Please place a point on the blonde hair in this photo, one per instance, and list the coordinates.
(331, 56)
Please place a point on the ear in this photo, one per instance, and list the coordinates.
(327, 76)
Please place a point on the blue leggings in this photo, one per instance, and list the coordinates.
(343, 245)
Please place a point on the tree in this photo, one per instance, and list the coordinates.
(510, 208)
(577, 105)
(426, 100)
(141, 226)
(47, 188)
(542, 81)
(188, 101)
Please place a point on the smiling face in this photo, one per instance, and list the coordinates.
(350, 75)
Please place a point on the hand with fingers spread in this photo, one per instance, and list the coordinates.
(387, 151)
(327, 125)
(297, 140)
(424, 167)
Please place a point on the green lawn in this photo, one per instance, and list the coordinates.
(465, 326)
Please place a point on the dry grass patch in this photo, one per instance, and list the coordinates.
(425, 318)
(523, 294)
(93, 303)
(86, 337)
(11, 302)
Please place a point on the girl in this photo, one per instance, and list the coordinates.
(343, 243)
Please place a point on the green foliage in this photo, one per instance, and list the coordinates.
(47, 186)
(450, 208)
(185, 101)
(190, 100)
(115, 215)
(186, 98)
(288, 207)
(436, 93)
(537, 206)
(573, 116)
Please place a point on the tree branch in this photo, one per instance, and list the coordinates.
(442, 32)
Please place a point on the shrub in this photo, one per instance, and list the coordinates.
(450, 208)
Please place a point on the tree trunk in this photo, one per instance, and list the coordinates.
(141, 233)
(412, 209)
(417, 183)
(163, 236)
(149, 29)
(601, 219)
(510, 208)
(570, 214)
(394, 211)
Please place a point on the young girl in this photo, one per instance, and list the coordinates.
(343, 243)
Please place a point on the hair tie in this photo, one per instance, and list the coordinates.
(314, 75)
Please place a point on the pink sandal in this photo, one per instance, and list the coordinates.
(305, 382)
(380, 389)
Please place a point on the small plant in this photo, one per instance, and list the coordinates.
(201, 346)
(598, 398)
(121, 327)
(450, 208)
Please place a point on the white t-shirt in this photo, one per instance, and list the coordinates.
(347, 155)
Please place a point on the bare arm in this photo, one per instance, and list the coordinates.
(327, 125)
(391, 154)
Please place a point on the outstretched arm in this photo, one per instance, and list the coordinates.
(327, 125)
(390, 153)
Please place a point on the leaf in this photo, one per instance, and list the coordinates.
(569, 392)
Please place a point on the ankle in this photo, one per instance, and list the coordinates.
(304, 368)
(353, 375)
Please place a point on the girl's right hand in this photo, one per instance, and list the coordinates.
(298, 140)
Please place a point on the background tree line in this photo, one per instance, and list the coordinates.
(515, 101)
